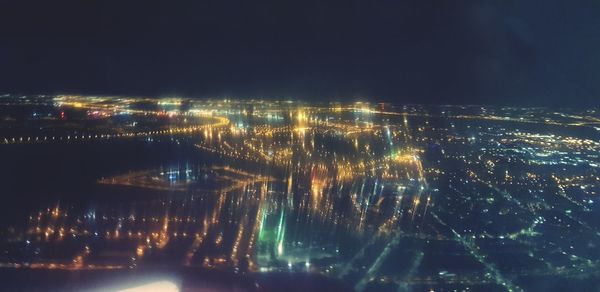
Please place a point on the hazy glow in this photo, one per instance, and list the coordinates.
(161, 286)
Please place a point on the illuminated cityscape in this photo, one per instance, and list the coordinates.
(375, 196)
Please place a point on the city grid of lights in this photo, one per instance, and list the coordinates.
(371, 194)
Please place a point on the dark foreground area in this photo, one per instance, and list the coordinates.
(149, 279)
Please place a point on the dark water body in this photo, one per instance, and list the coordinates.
(38, 175)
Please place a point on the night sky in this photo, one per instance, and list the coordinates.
(509, 52)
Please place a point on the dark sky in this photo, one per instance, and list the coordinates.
(509, 52)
